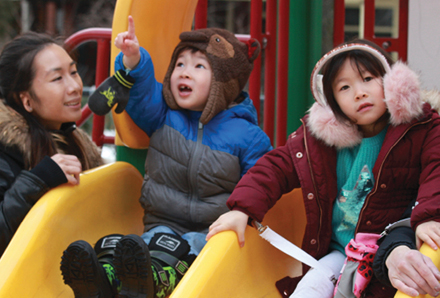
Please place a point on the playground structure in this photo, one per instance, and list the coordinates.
(107, 199)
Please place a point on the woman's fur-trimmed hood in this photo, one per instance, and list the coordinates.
(403, 98)
(14, 133)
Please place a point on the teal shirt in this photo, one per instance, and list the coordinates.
(355, 180)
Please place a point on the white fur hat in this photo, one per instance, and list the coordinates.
(402, 97)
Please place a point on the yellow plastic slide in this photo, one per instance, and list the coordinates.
(223, 269)
(105, 202)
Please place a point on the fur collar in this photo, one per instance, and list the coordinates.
(14, 129)
(403, 99)
(14, 133)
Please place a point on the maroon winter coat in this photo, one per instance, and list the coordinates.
(408, 166)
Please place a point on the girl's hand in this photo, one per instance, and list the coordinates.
(412, 273)
(231, 221)
(128, 43)
(70, 165)
(429, 233)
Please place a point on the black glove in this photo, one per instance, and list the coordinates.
(114, 90)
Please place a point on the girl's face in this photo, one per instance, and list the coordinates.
(191, 80)
(361, 98)
(55, 94)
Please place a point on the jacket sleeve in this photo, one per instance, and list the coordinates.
(146, 105)
(255, 149)
(260, 188)
(427, 207)
(396, 237)
(19, 193)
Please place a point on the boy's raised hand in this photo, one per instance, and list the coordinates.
(231, 221)
(429, 233)
(128, 43)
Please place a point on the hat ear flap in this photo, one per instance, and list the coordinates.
(215, 103)
(253, 49)
(166, 90)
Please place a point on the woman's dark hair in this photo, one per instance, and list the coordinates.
(16, 75)
(363, 61)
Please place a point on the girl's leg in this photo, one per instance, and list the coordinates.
(315, 283)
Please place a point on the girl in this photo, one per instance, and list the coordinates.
(368, 146)
(40, 147)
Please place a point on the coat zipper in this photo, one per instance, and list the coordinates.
(192, 171)
(380, 171)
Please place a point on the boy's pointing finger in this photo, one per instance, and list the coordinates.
(131, 31)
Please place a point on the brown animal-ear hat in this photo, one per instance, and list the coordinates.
(231, 62)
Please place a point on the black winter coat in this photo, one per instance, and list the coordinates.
(21, 188)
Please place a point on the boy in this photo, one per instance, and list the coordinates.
(203, 138)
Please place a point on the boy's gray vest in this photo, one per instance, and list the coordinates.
(187, 183)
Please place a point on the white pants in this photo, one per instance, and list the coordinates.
(315, 283)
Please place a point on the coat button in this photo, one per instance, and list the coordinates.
(313, 241)
(383, 186)
(368, 223)
(310, 196)
(299, 155)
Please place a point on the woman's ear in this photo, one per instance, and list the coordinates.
(26, 100)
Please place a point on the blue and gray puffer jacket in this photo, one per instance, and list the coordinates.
(191, 169)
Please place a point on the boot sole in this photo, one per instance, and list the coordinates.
(133, 268)
(82, 272)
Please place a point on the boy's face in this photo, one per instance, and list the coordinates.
(191, 80)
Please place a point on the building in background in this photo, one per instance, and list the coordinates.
(55, 17)
(423, 32)
(424, 41)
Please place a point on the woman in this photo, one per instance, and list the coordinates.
(40, 147)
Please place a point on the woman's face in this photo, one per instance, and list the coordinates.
(56, 91)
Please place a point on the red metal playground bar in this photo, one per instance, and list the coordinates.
(102, 36)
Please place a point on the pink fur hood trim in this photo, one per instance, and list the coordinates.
(402, 97)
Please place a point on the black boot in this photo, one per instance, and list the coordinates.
(83, 273)
(167, 274)
(153, 270)
(105, 250)
(133, 268)
(170, 259)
